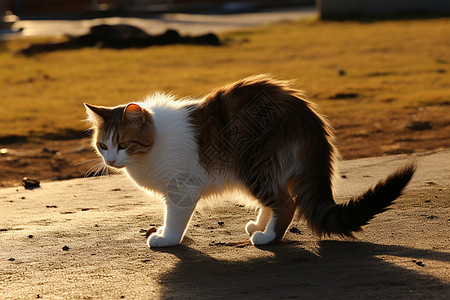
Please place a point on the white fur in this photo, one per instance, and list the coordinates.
(261, 222)
(113, 156)
(267, 236)
(175, 155)
(174, 149)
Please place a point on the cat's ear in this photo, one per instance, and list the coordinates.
(134, 113)
(97, 113)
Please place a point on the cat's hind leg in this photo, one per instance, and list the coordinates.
(261, 222)
(279, 222)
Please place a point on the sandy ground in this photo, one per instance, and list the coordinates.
(85, 239)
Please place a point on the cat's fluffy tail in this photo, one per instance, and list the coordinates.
(344, 219)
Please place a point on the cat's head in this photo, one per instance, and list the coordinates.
(121, 133)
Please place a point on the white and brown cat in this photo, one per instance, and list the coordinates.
(258, 135)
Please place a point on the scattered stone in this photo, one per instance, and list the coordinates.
(12, 259)
(340, 71)
(419, 263)
(344, 176)
(427, 201)
(295, 230)
(339, 96)
(30, 236)
(116, 190)
(23, 198)
(431, 217)
(65, 248)
(30, 183)
(221, 223)
(419, 126)
(51, 206)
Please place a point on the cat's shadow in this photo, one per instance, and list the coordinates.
(336, 269)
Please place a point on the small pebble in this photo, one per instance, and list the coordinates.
(30, 183)
(295, 230)
(419, 263)
(65, 248)
(221, 223)
(12, 259)
(30, 236)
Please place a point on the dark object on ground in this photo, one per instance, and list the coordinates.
(65, 248)
(30, 183)
(419, 126)
(150, 231)
(122, 36)
(339, 96)
(295, 230)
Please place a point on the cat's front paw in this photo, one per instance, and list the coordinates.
(262, 238)
(156, 240)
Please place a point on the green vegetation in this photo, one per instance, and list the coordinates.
(389, 65)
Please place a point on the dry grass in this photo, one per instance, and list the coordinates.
(390, 66)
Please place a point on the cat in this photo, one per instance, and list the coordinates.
(258, 135)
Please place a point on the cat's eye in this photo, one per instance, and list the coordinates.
(102, 146)
(124, 145)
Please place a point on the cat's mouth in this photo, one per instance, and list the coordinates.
(114, 164)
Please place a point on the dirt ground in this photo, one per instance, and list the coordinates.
(85, 239)
(412, 130)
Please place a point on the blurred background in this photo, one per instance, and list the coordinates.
(378, 69)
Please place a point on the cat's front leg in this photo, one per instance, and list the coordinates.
(175, 224)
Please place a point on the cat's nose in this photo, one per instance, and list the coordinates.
(111, 162)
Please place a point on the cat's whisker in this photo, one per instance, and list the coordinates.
(91, 170)
(105, 171)
(95, 170)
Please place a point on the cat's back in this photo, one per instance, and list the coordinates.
(258, 114)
